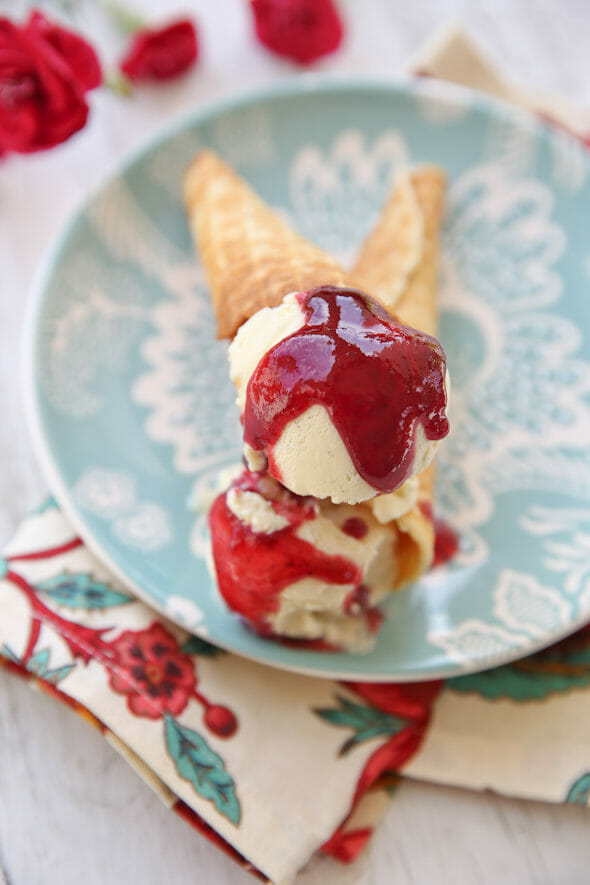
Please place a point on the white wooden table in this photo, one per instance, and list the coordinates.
(70, 809)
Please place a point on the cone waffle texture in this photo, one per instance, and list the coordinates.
(398, 264)
(251, 257)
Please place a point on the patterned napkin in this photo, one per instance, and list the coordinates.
(218, 738)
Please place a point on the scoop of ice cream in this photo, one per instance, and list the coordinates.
(297, 567)
(338, 399)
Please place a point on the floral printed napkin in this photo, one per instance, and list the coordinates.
(217, 737)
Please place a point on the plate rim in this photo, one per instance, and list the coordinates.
(291, 86)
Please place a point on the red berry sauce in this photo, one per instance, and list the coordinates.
(446, 542)
(446, 539)
(254, 567)
(355, 527)
(377, 379)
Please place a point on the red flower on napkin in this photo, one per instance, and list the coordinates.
(302, 30)
(161, 53)
(153, 672)
(45, 73)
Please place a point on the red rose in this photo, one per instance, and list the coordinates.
(45, 72)
(299, 29)
(161, 53)
(149, 667)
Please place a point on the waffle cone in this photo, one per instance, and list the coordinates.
(251, 257)
(398, 264)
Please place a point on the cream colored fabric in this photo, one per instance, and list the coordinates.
(450, 54)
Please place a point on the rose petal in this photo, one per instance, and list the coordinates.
(302, 30)
(161, 53)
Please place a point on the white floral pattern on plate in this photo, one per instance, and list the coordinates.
(524, 611)
(187, 390)
(111, 496)
(186, 611)
(519, 391)
(568, 554)
(523, 604)
(335, 194)
(477, 639)
(89, 335)
(144, 527)
(107, 493)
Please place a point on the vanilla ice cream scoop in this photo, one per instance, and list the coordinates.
(301, 568)
(338, 399)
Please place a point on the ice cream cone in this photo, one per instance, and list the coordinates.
(398, 264)
(252, 258)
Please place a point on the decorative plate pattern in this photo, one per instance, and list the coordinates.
(134, 414)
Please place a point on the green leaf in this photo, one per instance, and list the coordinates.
(196, 762)
(48, 503)
(358, 711)
(335, 717)
(55, 676)
(527, 680)
(579, 791)
(194, 645)
(366, 735)
(38, 663)
(82, 591)
(366, 722)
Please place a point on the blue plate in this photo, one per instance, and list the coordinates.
(133, 412)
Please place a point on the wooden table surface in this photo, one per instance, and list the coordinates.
(71, 810)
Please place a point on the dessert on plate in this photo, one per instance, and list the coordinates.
(343, 403)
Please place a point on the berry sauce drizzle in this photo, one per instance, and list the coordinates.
(254, 567)
(376, 378)
(446, 542)
(446, 539)
(355, 527)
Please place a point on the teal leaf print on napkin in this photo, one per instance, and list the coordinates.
(196, 762)
(366, 722)
(579, 791)
(38, 664)
(82, 591)
(48, 503)
(194, 645)
(558, 669)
